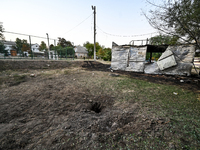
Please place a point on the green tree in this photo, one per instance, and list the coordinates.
(178, 18)
(1, 31)
(2, 47)
(51, 47)
(90, 47)
(107, 55)
(62, 52)
(62, 42)
(43, 46)
(164, 40)
(18, 45)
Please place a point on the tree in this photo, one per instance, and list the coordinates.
(107, 54)
(1, 31)
(64, 51)
(51, 47)
(43, 46)
(2, 48)
(90, 47)
(177, 18)
(25, 46)
(18, 45)
(62, 42)
(164, 40)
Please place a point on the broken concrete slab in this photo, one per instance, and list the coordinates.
(183, 53)
(176, 60)
(167, 61)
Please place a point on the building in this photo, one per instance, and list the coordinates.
(80, 52)
(175, 60)
(36, 52)
(9, 47)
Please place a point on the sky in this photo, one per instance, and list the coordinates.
(116, 20)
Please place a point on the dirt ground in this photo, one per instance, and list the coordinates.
(62, 109)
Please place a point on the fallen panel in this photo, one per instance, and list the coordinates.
(166, 62)
(183, 53)
(152, 68)
(183, 69)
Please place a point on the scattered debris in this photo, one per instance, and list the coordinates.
(175, 93)
(32, 75)
(175, 60)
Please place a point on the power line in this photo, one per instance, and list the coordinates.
(77, 25)
(27, 35)
(126, 35)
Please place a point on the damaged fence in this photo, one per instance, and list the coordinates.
(175, 60)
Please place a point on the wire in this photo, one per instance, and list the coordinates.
(27, 35)
(78, 24)
(126, 35)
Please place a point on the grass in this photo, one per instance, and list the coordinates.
(183, 109)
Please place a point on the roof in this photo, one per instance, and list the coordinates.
(8, 43)
(80, 49)
(150, 48)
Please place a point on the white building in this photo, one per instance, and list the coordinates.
(80, 52)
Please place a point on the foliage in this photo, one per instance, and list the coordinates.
(90, 47)
(163, 39)
(63, 43)
(21, 45)
(101, 51)
(64, 51)
(1, 31)
(25, 46)
(178, 18)
(107, 55)
(2, 48)
(51, 47)
(18, 45)
(155, 56)
(43, 46)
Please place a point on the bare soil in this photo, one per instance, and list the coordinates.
(62, 109)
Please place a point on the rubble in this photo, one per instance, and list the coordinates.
(175, 60)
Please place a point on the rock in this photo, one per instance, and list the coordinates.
(67, 127)
(32, 75)
(114, 126)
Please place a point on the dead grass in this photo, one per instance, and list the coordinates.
(173, 120)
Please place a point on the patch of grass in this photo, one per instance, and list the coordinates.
(181, 108)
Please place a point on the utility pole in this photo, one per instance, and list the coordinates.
(55, 49)
(94, 8)
(30, 47)
(48, 44)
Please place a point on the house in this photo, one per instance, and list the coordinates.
(175, 60)
(81, 52)
(35, 49)
(9, 47)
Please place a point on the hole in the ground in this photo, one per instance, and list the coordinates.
(96, 107)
